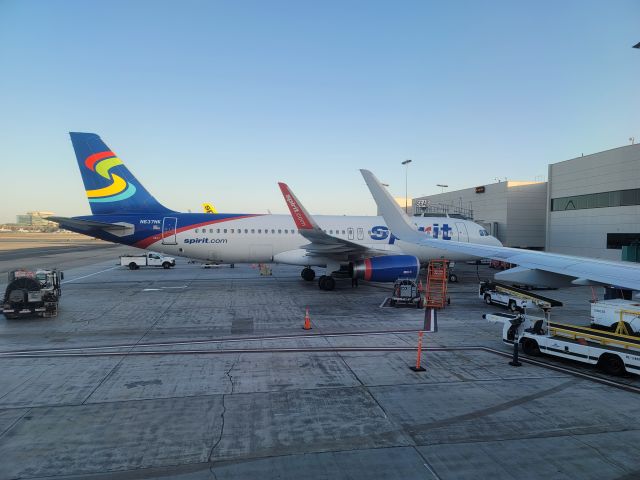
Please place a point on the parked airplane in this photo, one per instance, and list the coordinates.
(534, 268)
(123, 211)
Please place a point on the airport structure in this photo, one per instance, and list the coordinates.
(35, 219)
(514, 212)
(590, 206)
(594, 203)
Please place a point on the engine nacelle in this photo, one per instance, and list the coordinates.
(387, 268)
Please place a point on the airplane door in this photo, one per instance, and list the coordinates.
(463, 235)
(350, 233)
(169, 225)
(360, 233)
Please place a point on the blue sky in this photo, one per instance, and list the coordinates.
(217, 101)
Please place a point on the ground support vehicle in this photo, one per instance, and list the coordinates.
(616, 315)
(613, 353)
(515, 299)
(148, 259)
(32, 293)
(406, 292)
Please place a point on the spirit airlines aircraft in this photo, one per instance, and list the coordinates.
(534, 268)
(123, 211)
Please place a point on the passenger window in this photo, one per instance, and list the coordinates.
(196, 230)
(343, 232)
(286, 230)
(279, 231)
(253, 230)
(232, 230)
(273, 231)
(331, 232)
(259, 230)
(225, 230)
(218, 231)
(211, 230)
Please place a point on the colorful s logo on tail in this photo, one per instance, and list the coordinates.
(111, 188)
(120, 189)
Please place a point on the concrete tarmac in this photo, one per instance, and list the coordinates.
(222, 413)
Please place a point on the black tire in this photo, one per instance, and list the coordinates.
(321, 282)
(530, 347)
(487, 299)
(166, 265)
(512, 306)
(612, 364)
(329, 283)
(308, 274)
(133, 266)
(453, 278)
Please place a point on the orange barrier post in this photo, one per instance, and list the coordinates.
(418, 367)
(307, 320)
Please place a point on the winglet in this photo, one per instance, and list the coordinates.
(301, 217)
(395, 218)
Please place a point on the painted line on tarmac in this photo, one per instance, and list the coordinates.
(569, 371)
(205, 342)
(90, 275)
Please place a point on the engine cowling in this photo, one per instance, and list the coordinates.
(387, 268)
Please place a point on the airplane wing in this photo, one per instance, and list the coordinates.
(321, 243)
(541, 268)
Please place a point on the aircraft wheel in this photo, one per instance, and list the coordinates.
(512, 306)
(329, 283)
(308, 274)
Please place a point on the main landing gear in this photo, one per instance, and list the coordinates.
(326, 283)
(308, 274)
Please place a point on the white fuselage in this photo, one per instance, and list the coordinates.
(274, 238)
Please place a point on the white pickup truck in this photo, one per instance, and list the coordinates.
(493, 293)
(148, 259)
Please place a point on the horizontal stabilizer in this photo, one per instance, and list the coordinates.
(119, 229)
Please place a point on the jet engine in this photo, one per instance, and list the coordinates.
(387, 268)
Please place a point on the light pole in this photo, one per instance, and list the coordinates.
(406, 177)
(442, 186)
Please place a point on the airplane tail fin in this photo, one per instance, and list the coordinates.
(111, 187)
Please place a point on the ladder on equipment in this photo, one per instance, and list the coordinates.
(437, 277)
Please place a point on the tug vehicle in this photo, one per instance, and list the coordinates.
(32, 293)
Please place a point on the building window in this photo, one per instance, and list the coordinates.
(616, 241)
(617, 198)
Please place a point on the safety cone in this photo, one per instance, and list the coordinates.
(307, 320)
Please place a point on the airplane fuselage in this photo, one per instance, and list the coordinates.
(251, 238)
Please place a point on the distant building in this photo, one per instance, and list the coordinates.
(35, 219)
(512, 211)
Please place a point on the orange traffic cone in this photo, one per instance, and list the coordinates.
(307, 320)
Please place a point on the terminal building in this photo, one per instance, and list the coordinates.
(590, 206)
(594, 204)
(514, 212)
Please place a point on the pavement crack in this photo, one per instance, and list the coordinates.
(600, 454)
(224, 409)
